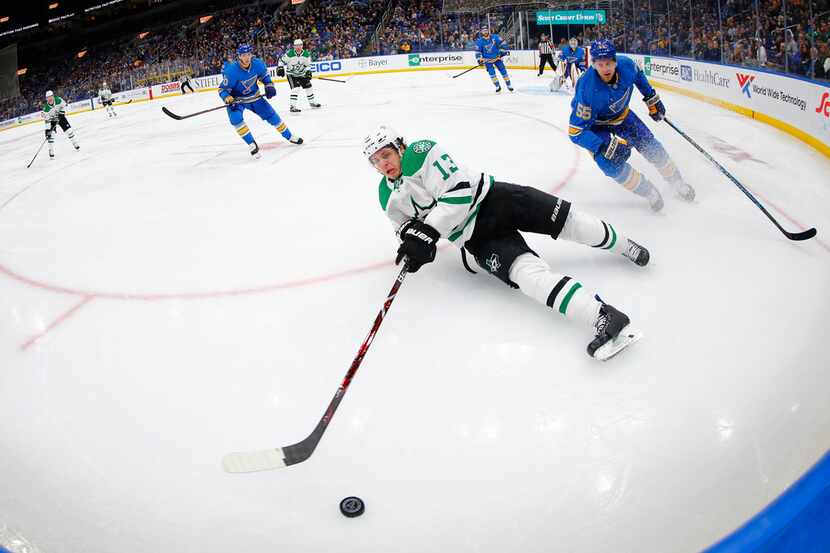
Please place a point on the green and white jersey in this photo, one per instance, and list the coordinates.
(436, 190)
(52, 111)
(105, 94)
(296, 65)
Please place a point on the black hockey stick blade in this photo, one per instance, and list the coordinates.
(804, 235)
(330, 79)
(171, 114)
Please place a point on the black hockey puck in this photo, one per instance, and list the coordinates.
(352, 507)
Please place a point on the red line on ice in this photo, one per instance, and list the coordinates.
(61, 318)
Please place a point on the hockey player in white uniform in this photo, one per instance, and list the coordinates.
(296, 65)
(106, 99)
(427, 195)
(54, 114)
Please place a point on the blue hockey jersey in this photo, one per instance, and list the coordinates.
(597, 103)
(242, 83)
(491, 48)
(573, 56)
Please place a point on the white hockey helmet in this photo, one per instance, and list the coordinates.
(49, 93)
(298, 42)
(574, 42)
(382, 136)
(104, 84)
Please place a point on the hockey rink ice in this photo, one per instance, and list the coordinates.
(165, 299)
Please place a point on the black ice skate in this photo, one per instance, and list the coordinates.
(315, 105)
(637, 253)
(254, 147)
(295, 140)
(613, 333)
(294, 109)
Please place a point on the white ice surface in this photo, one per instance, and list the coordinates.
(165, 300)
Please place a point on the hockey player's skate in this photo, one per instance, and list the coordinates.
(613, 333)
(295, 140)
(637, 253)
(77, 146)
(655, 199)
(510, 88)
(684, 189)
(254, 147)
(294, 109)
(315, 105)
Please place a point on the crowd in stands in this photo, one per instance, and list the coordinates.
(794, 38)
(330, 29)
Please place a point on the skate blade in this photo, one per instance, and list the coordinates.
(627, 336)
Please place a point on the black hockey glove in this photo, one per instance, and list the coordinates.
(48, 133)
(280, 71)
(656, 109)
(270, 91)
(615, 149)
(308, 74)
(418, 244)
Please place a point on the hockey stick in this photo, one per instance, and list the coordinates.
(466, 71)
(188, 116)
(803, 235)
(269, 459)
(36, 153)
(332, 80)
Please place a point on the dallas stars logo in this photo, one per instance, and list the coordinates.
(421, 208)
(421, 147)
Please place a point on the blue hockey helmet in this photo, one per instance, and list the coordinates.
(244, 49)
(603, 48)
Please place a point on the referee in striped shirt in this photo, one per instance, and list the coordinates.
(545, 54)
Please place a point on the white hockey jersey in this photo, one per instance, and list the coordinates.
(105, 94)
(297, 65)
(436, 190)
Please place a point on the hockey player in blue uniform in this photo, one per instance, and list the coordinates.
(602, 123)
(491, 48)
(573, 56)
(240, 90)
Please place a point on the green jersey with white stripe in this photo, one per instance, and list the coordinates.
(436, 190)
(52, 111)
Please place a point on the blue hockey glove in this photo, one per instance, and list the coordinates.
(270, 91)
(656, 109)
